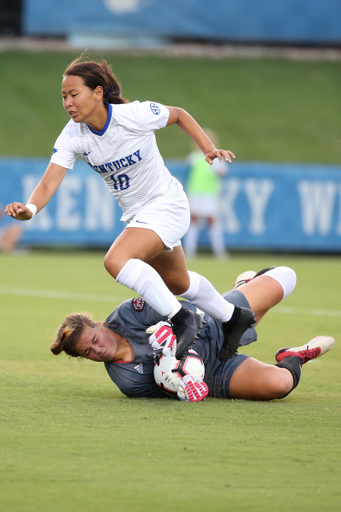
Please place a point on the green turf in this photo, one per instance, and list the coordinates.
(71, 442)
(262, 109)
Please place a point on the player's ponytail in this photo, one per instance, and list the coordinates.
(97, 74)
(69, 334)
(113, 93)
(114, 98)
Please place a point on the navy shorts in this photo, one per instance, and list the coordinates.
(219, 380)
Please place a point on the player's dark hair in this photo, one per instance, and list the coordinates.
(69, 334)
(96, 74)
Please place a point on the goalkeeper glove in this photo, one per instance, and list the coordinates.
(163, 337)
(192, 389)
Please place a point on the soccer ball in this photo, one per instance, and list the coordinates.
(168, 371)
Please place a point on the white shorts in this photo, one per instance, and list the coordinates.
(203, 206)
(168, 218)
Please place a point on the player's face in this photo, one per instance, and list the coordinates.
(97, 343)
(80, 102)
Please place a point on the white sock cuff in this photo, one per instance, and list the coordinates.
(194, 284)
(285, 276)
(143, 279)
(202, 294)
(130, 273)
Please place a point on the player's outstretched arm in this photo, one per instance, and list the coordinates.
(41, 195)
(189, 125)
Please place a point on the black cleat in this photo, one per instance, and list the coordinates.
(242, 319)
(186, 324)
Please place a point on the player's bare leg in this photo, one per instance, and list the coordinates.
(173, 269)
(262, 293)
(254, 380)
(143, 244)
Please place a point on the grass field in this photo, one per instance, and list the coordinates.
(262, 109)
(71, 442)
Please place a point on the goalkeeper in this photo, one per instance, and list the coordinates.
(123, 344)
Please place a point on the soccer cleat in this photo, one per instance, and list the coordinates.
(247, 276)
(242, 319)
(244, 278)
(186, 331)
(261, 272)
(311, 350)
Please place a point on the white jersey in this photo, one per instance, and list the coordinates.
(124, 153)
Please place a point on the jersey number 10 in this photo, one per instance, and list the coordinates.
(121, 183)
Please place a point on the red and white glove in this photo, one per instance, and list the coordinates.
(163, 337)
(192, 389)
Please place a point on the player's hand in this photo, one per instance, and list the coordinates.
(163, 337)
(220, 154)
(18, 211)
(192, 389)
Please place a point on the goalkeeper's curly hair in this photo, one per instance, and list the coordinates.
(70, 332)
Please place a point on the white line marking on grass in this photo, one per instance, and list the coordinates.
(50, 294)
(310, 312)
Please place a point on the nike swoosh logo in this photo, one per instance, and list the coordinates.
(141, 222)
(86, 154)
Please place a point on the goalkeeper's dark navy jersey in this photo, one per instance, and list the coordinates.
(136, 378)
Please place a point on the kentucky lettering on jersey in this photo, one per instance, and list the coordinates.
(118, 164)
(124, 153)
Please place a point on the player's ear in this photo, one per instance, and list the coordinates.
(99, 92)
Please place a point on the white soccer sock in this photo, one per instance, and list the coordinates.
(143, 279)
(285, 276)
(202, 294)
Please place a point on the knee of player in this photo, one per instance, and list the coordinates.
(177, 288)
(280, 382)
(177, 282)
(290, 281)
(286, 277)
(112, 265)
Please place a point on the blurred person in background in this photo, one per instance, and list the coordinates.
(203, 190)
(116, 138)
(10, 235)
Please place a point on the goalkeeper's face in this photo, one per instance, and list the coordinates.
(98, 343)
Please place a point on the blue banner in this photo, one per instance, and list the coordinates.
(262, 206)
(304, 21)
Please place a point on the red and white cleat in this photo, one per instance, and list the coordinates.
(311, 350)
(244, 278)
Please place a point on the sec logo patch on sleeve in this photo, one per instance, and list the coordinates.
(155, 109)
(138, 304)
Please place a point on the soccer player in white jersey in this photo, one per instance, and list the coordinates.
(116, 138)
